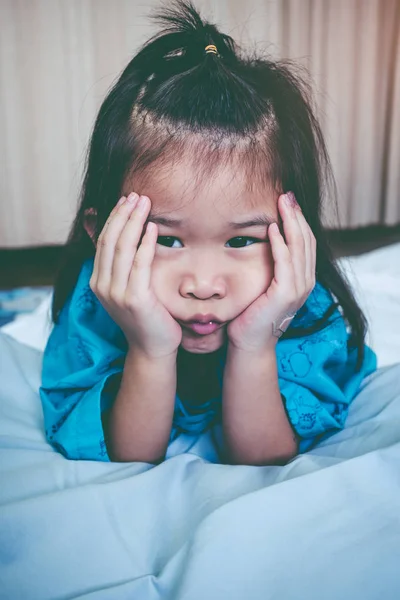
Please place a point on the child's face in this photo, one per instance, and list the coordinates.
(201, 266)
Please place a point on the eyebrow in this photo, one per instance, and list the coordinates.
(256, 221)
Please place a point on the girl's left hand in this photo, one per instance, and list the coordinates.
(261, 324)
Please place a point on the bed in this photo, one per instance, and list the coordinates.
(326, 525)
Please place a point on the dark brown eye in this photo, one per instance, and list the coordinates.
(168, 241)
(245, 238)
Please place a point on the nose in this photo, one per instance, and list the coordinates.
(203, 282)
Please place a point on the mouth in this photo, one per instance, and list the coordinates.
(202, 324)
(203, 328)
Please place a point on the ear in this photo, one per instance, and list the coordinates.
(89, 223)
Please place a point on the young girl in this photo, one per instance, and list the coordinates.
(198, 289)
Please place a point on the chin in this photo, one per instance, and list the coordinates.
(203, 344)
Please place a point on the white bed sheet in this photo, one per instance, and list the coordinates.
(327, 525)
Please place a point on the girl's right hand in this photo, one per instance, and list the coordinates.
(121, 280)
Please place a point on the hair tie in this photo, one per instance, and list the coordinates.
(211, 49)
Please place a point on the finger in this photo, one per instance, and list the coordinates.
(95, 271)
(127, 246)
(283, 266)
(310, 252)
(294, 238)
(140, 274)
(304, 229)
(108, 240)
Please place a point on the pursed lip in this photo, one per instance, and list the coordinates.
(203, 319)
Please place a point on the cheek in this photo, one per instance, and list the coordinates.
(251, 278)
(261, 265)
(159, 279)
(268, 268)
(256, 280)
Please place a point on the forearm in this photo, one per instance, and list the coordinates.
(138, 426)
(255, 426)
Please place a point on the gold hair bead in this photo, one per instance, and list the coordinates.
(211, 49)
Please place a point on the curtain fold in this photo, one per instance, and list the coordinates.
(58, 59)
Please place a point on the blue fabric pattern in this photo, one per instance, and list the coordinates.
(84, 360)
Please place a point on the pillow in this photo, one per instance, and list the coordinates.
(32, 329)
(375, 280)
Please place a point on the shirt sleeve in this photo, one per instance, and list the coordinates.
(82, 369)
(317, 372)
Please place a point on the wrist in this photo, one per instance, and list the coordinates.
(140, 354)
(265, 353)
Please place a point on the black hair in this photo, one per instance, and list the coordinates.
(173, 97)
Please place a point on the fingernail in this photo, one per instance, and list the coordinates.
(290, 200)
(142, 201)
(132, 198)
(121, 200)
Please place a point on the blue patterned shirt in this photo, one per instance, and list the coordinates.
(84, 360)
